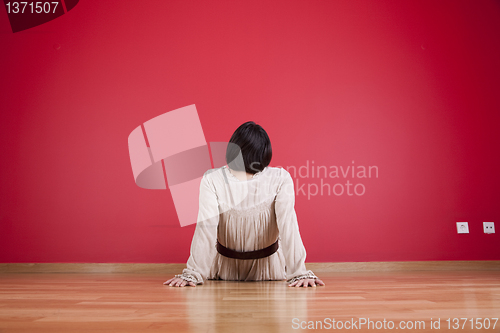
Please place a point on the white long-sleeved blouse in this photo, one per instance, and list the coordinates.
(246, 216)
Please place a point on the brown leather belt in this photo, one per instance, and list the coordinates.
(258, 254)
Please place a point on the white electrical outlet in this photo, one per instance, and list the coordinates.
(463, 227)
(489, 227)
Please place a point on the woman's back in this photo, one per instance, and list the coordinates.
(247, 222)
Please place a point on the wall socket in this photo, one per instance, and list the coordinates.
(489, 227)
(462, 227)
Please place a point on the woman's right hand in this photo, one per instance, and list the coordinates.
(178, 282)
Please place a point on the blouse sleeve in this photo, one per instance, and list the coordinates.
(203, 250)
(291, 242)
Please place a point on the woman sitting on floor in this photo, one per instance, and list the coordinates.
(248, 229)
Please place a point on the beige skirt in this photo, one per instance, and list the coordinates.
(248, 230)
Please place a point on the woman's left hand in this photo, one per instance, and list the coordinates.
(306, 283)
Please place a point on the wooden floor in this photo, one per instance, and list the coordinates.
(44, 302)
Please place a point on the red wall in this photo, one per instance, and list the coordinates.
(408, 86)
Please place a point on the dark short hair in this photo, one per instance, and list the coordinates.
(255, 147)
